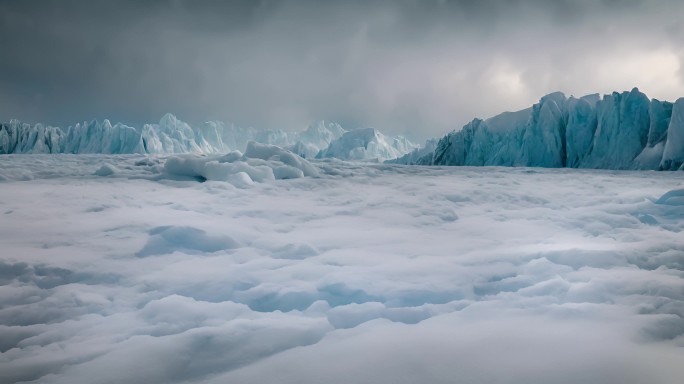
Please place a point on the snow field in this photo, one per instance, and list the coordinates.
(128, 269)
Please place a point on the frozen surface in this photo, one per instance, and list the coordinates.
(118, 269)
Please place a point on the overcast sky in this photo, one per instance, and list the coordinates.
(420, 68)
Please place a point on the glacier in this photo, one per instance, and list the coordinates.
(173, 136)
(416, 154)
(367, 144)
(617, 131)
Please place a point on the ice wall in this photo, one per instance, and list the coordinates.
(673, 154)
(617, 131)
(170, 135)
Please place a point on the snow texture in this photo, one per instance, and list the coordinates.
(617, 131)
(128, 269)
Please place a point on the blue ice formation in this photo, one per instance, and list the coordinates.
(170, 135)
(173, 136)
(617, 131)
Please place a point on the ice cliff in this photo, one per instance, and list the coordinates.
(170, 135)
(173, 136)
(617, 131)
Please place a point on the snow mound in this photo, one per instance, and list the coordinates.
(673, 197)
(169, 239)
(277, 154)
(260, 163)
(106, 170)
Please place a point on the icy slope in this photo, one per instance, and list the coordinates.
(367, 144)
(618, 131)
(170, 135)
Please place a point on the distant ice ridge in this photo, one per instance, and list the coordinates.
(617, 131)
(173, 136)
(367, 144)
(169, 136)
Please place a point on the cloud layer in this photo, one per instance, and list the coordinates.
(421, 68)
(363, 273)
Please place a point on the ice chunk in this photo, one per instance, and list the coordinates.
(287, 172)
(106, 170)
(272, 152)
(260, 163)
(673, 197)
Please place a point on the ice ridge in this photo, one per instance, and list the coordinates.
(617, 131)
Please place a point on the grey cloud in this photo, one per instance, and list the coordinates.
(413, 67)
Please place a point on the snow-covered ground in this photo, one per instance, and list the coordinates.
(121, 269)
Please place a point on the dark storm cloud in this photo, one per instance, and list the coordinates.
(420, 67)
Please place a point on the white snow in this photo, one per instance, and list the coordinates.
(359, 272)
